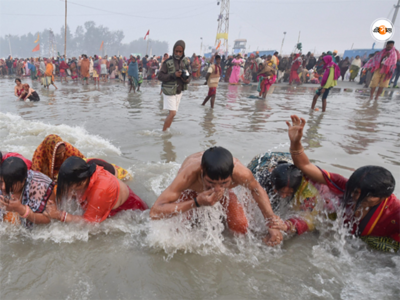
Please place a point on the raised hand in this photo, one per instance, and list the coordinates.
(295, 130)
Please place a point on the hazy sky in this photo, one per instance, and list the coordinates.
(324, 24)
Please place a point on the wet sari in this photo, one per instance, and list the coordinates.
(44, 157)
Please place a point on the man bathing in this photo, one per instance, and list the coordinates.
(203, 180)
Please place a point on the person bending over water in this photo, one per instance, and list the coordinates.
(203, 180)
(29, 94)
(50, 155)
(291, 191)
(100, 194)
(372, 211)
(25, 193)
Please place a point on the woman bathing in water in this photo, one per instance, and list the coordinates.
(100, 194)
(28, 94)
(18, 89)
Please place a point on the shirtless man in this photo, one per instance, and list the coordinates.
(208, 175)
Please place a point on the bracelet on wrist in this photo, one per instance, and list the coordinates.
(195, 202)
(297, 152)
(27, 211)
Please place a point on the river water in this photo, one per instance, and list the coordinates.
(129, 257)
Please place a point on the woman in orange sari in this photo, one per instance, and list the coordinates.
(48, 75)
(51, 154)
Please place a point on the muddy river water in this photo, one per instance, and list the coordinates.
(129, 257)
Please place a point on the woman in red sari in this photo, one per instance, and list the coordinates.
(293, 71)
(371, 210)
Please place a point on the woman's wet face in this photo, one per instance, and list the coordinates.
(60, 153)
(285, 192)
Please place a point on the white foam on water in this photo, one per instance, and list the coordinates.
(23, 136)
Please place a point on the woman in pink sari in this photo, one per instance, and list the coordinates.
(235, 75)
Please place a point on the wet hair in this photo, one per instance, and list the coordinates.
(217, 57)
(25, 85)
(73, 170)
(390, 42)
(217, 163)
(17, 79)
(12, 171)
(373, 181)
(286, 175)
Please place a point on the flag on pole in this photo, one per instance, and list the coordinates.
(37, 40)
(37, 48)
(102, 44)
(219, 45)
(148, 32)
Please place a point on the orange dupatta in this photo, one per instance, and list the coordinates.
(44, 157)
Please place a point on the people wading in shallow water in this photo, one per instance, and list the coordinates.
(133, 74)
(212, 80)
(329, 80)
(175, 76)
(382, 65)
(203, 180)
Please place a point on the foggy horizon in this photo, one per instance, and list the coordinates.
(324, 25)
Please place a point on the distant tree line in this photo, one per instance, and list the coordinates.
(87, 39)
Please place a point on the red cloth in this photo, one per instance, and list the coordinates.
(212, 91)
(14, 154)
(102, 194)
(294, 76)
(132, 203)
(385, 222)
(301, 225)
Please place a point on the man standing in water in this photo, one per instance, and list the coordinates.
(382, 65)
(212, 80)
(175, 76)
(207, 178)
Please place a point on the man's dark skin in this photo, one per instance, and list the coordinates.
(217, 63)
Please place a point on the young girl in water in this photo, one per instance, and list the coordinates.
(18, 89)
(29, 94)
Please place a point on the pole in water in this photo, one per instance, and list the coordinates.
(284, 34)
(352, 46)
(65, 34)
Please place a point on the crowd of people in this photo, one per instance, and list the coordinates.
(35, 191)
(38, 190)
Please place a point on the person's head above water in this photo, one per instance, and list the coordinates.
(74, 175)
(179, 49)
(369, 184)
(13, 173)
(286, 179)
(217, 167)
